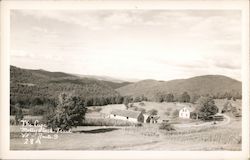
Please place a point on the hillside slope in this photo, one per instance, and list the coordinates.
(201, 85)
(26, 85)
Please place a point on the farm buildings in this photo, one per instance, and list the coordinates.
(133, 116)
(128, 115)
(151, 118)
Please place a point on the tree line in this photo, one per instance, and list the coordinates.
(192, 98)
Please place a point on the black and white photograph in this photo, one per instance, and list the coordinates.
(131, 79)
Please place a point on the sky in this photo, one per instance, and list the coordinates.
(128, 44)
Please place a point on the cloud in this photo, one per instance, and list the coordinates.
(21, 54)
(227, 65)
(127, 43)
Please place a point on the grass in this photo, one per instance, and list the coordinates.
(100, 133)
(147, 137)
(105, 122)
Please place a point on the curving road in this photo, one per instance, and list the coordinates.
(226, 121)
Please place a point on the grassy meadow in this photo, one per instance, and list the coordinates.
(100, 133)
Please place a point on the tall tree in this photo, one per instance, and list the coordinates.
(70, 112)
(206, 107)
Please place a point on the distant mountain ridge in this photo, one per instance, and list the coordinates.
(51, 83)
(101, 78)
(26, 83)
(200, 85)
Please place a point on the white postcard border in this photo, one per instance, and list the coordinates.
(6, 6)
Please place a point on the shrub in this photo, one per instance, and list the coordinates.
(140, 109)
(19, 114)
(166, 127)
(152, 112)
(227, 107)
(12, 122)
(142, 104)
(138, 124)
(175, 113)
(38, 110)
(167, 113)
(193, 115)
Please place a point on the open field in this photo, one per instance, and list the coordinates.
(147, 137)
(103, 135)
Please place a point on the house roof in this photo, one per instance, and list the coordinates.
(126, 113)
(146, 116)
(155, 117)
(191, 109)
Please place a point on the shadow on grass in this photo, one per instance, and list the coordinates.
(101, 130)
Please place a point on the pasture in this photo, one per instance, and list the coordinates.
(147, 137)
(104, 134)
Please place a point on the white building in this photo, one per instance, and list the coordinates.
(127, 115)
(185, 112)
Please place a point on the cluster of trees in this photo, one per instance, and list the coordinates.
(170, 97)
(228, 95)
(164, 97)
(229, 108)
(192, 98)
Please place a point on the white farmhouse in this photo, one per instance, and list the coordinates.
(185, 112)
(127, 115)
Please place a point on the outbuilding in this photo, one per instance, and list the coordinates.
(127, 115)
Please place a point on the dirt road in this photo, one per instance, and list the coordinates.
(218, 123)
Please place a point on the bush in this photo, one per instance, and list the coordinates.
(175, 113)
(153, 112)
(166, 127)
(38, 110)
(12, 121)
(142, 104)
(167, 113)
(19, 114)
(193, 115)
(227, 107)
(140, 109)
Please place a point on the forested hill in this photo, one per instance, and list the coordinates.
(29, 85)
(217, 85)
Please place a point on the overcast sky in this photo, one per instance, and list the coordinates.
(128, 44)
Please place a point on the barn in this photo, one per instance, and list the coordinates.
(127, 115)
(185, 112)
(151, 118)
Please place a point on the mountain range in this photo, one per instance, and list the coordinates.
(50, 84)
(200, 85)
